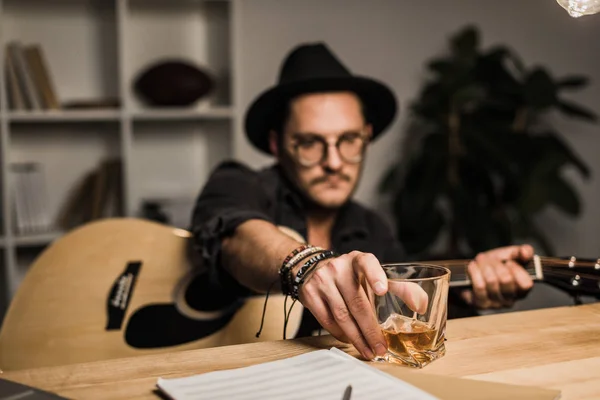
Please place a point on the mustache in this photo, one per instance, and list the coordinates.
(324, 178)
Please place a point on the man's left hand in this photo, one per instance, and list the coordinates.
(497, 277)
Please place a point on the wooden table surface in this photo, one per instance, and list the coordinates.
(557, 348)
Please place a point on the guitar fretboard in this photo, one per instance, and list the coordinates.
(537, 268)
(460, 277)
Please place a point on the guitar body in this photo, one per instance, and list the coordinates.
(117, 288)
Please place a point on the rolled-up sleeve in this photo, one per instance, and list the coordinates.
(232, 195)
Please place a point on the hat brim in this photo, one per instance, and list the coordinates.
(378, 99)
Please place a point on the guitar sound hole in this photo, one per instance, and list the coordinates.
(161, 325)
(200, 295)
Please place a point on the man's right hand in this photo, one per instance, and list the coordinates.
(335, 296)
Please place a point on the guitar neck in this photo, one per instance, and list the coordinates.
(459, 276)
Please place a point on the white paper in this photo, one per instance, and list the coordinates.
(321, 374)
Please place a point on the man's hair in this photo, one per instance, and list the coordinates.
(282, 115)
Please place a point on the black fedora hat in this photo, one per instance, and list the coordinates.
(311, 68)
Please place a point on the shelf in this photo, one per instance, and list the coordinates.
(151, 114)
(64, 116)
(34, 239)
(179, 114)
(37, 239)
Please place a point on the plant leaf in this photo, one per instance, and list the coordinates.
(564, 196)
(469, 97)
(496, 150)
(572, 82)
(552, 143)
(543, 184)
(502, 54)
(477, 180)
(390, 180)
(540, 90)
(574, 110)
(531, 230)
(542, 239)
(416, 230)
(441, 66)
(491, 70)
(534, 196)
(466, 42)
(483, 228)
(424, 181)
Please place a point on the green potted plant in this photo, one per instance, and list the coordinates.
(482, 158)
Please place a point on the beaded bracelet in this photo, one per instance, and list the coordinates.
(296, 251)
(294, 262)
(307, 267)
(290, 262)
(286, 263)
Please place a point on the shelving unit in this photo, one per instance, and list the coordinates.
(63, 116)
(213, 113)
(166, 153)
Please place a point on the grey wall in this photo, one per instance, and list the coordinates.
(391, 39)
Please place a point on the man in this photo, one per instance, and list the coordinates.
(318, 122)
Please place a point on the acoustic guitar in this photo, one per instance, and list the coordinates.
(124, 287)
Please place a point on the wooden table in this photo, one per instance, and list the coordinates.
(555, 348)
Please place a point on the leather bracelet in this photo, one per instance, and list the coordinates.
(307, 267)
(293, 253)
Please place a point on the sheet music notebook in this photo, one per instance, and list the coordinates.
(321, 374)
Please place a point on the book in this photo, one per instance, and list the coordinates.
(14, 91)
(30, 198)
(24, 73)
(40, 73)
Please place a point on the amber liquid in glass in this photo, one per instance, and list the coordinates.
(409, 338)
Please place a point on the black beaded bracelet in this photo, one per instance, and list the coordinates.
(307, 267)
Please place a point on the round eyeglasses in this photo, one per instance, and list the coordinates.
(311, 150)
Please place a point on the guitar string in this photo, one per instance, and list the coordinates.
(564, 273)
(461, 276)
(547, 271)
(456, 276)
(547, 260)
(551, 273)
(550, 261)
(560, 262)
